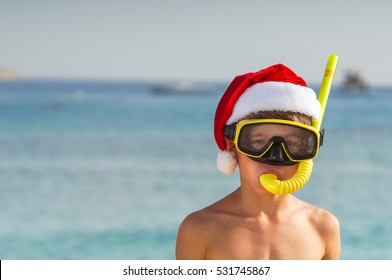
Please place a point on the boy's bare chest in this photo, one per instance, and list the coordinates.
(258, 241)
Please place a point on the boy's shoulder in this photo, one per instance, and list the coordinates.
(319, 217)
(327, 225)
(200, 228)
(204, 217)
(325, 220)
(195, 232)
(210, 216)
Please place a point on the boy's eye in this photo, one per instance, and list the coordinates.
(293, 146)
(258, 142)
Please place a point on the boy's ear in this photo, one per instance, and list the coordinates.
(229, 144)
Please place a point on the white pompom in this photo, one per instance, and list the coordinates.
(226, 162)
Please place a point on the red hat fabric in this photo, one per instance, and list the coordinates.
(276, 88)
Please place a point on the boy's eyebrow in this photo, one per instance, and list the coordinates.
(261, 132)
(254, 134)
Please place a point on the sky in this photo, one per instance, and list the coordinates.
(200, 40)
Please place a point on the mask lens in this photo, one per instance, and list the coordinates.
(253, 139)
(301, 143)
(256, 138)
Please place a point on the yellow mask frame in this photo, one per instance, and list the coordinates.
(234, 132)
(270, 181)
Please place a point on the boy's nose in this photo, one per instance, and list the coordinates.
(275, 153)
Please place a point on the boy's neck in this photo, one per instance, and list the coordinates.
(256, 203)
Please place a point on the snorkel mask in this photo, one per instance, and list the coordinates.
(270, 181)
(273, 141)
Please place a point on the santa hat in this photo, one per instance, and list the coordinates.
(276, 88)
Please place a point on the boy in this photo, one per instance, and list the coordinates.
(259, 127)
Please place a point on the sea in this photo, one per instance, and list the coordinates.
(107, 170)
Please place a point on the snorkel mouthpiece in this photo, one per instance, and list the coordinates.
(270, 181)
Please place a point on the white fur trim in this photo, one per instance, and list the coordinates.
(226, 162)
(279, 96)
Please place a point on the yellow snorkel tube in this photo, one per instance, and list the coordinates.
(270, 181)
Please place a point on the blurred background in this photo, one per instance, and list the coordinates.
(107, 107)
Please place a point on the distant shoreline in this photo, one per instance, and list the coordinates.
(9, 75)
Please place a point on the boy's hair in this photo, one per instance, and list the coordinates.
(291, 116)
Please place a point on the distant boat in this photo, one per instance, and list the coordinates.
(354, 81)
(181, 87)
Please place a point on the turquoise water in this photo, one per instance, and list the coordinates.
(108, 170)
